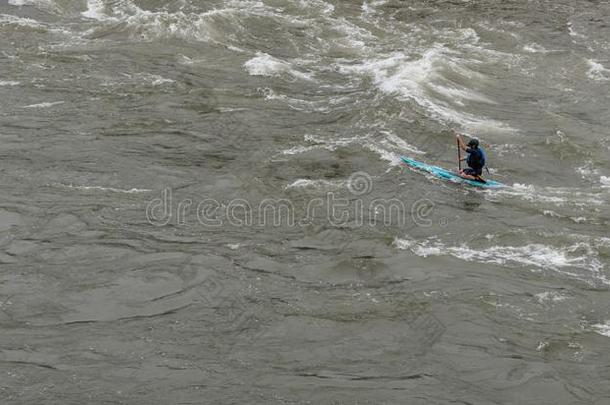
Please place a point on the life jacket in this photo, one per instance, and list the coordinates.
(476, 159)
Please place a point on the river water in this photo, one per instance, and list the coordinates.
(203, 202)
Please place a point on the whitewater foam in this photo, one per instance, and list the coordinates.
(573, 33)
(95, 10)
(318, 5)
(550, 296)
(354, 36)
(587, 171)
(392, 141)
(560, 196)
(155, 80)
(416, 79)
(597, 71)
(21, 21)
(602, 328)
(44, 4)
(370, 8)
(392, 157)
(266, 65)
(535, 255)
(208, 26)
(389, 148)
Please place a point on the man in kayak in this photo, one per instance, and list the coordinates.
(475, 159)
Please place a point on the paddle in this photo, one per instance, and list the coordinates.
(459, 156)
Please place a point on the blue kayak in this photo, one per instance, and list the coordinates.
(448, 174)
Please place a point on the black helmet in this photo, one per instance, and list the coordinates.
(473, 143)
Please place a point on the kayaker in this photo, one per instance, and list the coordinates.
(475, 159)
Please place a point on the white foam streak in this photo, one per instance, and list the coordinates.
(110, 189)
(23, 22)
(155, 80)
(40, 3)
(44, 105)
(535, 48)
(602, 328)
(266, 65)
(308, 183)
(392, 157)
(299, 149)
(559, 196)
(393, 141)
(532, 255)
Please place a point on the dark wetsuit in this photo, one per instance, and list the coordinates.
(476, 161)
